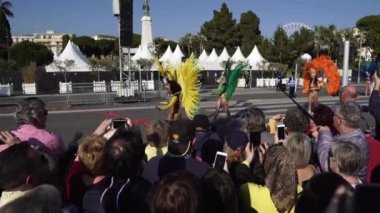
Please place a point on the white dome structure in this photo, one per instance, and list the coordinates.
(306, 57)
(256, 60)
(238, 56)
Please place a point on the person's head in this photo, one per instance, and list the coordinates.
(156, 134)
(123, 154)
(296, 120)
(323, 116)
(41, 199)
(345, 158)
(348, 94)
(90, 154)
(177, 192)
(180, 137)
(201, 123)
(318, 192)
(236, 142)
(22, 166)
(219, 192)
(255, 120)
(280, 177)
(347, 115)
(299, 146)
(174, 87)
(31, 111)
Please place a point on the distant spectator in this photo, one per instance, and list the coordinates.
(156, 137)
(299, 146)
(349, 93)
(177, 192)
(280, 190)
(346, 160)
(181, 136)
(21, 169)
(31, 115)
(41, 199)
(292, 85)
(346, 119)
(374, 103)
(219, 192)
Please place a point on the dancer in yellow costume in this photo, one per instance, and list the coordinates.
(182, 84)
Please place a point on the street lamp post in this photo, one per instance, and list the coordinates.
(360, 58)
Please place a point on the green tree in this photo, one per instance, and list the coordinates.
(327, 41)
(5, 28)
(161, 45)
(105, 47)
(249, 31)
(302, 41)
(370, 26)
(25, 52)
(6, 70)
(65, 40)
(281, 47)
(221, 31)
(87, 45)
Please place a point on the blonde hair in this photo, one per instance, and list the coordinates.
(157, 134)
(90, 154)
(299, 148)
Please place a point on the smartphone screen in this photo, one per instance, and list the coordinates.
(255, 138)
(220, 159)
(281, 131)
(118, 123)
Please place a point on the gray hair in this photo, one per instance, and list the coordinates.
(296, 120)
(255, 120)
(348, 157)
(350, 112)
(299, 146)
(28, 110)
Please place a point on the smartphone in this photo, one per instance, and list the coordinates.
(220, 160)
(119, 123)
(281, 131)
(255, 138)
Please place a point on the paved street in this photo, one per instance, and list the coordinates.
(85, 119)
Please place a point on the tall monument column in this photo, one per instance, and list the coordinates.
(146, 34)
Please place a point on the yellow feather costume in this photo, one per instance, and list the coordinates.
(186, 76)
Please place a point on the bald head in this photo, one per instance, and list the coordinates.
(348, 94)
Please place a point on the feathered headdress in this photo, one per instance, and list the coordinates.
(232, 80)
(187, 76)
(328, 67)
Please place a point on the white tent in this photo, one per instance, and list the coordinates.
(212, 61)
(203, 56)
(143, 53)
(137, 54)
(256, 60)
(224, 56)
(166, 56)
(238, 56)
(177, 56)
(71, 52)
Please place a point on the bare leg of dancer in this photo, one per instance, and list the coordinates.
(216, 113)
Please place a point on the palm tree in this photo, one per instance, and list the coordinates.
(5, 28)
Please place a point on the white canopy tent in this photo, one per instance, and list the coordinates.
(167, 55)
(71, 52)
(238, 56)
(224, 56)
(256, 60)
(177, 56)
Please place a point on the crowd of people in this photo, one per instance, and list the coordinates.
(327, 162)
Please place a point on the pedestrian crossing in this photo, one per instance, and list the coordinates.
(270, 107)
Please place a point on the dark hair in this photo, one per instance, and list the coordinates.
(156, 134)
(177, 192)
(318, 192)
(323, 116)
(124, 153)
(174, 87)
(180, 135)
(20, 161)
(296, 120)
(255, 120)
(219, 192)
(28, 110)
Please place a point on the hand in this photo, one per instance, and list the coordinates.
(103, 127)
(262, 151)
(323, 128)
(8, 138)
(157, 107)
(249, 152)
(278, 117)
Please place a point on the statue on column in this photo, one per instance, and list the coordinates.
(146, 7)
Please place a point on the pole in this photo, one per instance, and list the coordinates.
(345, 62)
(120, 57)
(296, 78)
(360, 58)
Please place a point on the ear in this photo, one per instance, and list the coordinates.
(29, 181)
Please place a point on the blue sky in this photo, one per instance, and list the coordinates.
(172, 19)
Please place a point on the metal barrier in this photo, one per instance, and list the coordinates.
(106, 94)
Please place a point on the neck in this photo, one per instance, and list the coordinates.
(97, 179)
(353, 180)
(345, 130)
